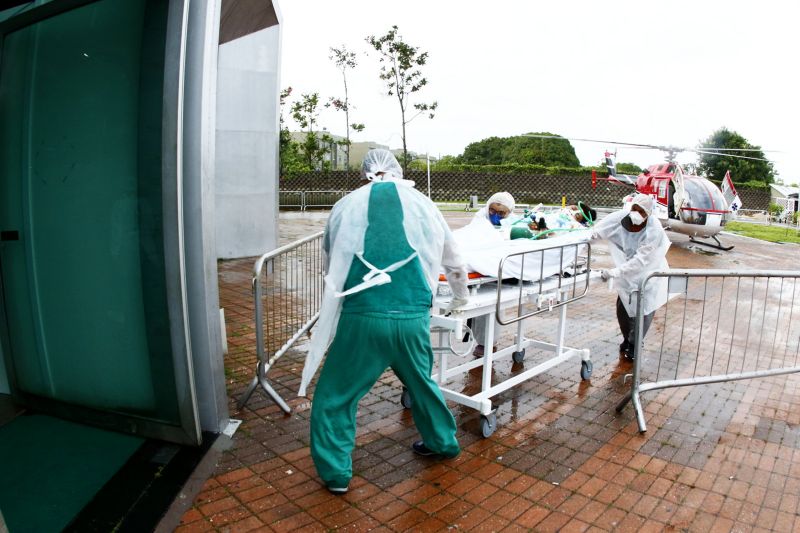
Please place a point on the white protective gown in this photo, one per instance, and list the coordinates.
(635, 256)
(427, 233)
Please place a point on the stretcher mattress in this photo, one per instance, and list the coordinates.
(483, 248)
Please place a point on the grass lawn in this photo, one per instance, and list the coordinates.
(765, 233)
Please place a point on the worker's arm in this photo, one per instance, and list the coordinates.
(454, 269)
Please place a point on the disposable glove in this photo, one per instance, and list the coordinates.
(455, 303)
(606, 275)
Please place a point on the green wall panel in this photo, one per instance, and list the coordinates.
(80, 137)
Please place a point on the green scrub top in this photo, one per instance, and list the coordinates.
(385, 243)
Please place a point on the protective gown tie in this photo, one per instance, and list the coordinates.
(376, 276)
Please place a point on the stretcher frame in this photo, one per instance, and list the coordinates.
(491, 298)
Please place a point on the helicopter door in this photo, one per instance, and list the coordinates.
(664, 198)
(679, 196)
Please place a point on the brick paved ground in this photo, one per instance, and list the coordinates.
(715, 458)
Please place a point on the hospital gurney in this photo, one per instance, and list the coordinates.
(507, 303)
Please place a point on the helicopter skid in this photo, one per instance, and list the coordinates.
(718, 246)
(696, 231)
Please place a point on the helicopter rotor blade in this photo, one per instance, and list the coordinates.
(617, 143)
(731, 155)
(671, 149)
(737, 149)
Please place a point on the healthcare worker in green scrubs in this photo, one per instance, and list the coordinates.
(384, 245)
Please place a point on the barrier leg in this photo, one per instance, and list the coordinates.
(261, 378)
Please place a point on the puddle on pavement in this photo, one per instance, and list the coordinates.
(701, 251)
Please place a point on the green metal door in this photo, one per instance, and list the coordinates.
(88, 332)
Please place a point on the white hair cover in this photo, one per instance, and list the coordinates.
(427, 233)
(635, 255)
(644, 201)
(380, 160)
(502, 198)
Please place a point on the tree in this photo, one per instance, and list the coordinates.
(288, 153)
(314, 147)
(530, 150)
(714, 166)
(486, 152)
(521, 149)
(344, 60)
(400, 64)
(628, 168)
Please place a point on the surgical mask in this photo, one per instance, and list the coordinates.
(636, 218)
(495, 219)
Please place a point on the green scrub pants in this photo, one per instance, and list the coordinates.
(364, 346)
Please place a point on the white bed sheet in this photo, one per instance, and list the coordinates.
(483, 248)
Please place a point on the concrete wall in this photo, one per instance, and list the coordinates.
(247, 144)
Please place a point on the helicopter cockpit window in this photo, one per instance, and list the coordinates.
(701, 196)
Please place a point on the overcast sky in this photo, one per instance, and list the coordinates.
(663, 73)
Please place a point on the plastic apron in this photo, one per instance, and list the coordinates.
(636, 255)
(427, 233)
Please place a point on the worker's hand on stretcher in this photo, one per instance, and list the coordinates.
(455, 303)
(606, 275)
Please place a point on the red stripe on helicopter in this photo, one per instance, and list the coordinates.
(704, 210)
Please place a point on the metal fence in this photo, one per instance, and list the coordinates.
(789, 209)
(287, 293)
(303, 200)
(291, 199)
(718, 326)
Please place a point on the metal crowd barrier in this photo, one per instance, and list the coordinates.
(322, 198)
(305, 199)
(288, 199)
(287, 293)
(718, 326)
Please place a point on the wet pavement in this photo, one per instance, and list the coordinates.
(719, 457)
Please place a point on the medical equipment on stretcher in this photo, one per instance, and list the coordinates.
(509, 301)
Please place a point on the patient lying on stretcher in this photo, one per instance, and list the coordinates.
(484, 245)
(539, 223)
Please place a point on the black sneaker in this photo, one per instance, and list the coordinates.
(626, 350)
(337, 490)
(420, 449)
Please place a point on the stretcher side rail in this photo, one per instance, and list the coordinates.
(567, 290)
(717, 326)
(287, 294)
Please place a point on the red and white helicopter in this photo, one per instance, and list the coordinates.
(685, 203)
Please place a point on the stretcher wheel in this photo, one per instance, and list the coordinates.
(405, 399)
(488, 425)
(586, 369)
(519, 356)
